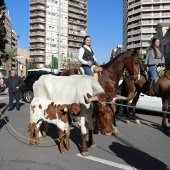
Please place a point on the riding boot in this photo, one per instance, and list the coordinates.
(142, 71)
(150, 87)
(155, 88)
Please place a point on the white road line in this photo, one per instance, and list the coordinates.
(117, 165)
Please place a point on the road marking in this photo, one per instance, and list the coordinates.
(117, 165)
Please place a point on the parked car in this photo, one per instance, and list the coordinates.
(145, 101)
(27, 87)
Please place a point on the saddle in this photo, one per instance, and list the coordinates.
(160, 73)
(95, 69)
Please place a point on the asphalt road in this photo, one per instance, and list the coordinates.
(141, 146)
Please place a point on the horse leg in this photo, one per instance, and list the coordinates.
(165, 104)
(127, 113)
(164, 116)
(135, 100)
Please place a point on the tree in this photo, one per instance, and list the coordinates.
(55, 63)
(32, 65)
(2, 29)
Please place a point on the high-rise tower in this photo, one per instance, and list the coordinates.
(140, 18)
(57, 28)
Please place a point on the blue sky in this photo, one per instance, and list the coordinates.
(104, 24)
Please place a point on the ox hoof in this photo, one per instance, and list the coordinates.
(85, 153)
(93, 146)
(69, 149)
(117, 134)
(137, 121)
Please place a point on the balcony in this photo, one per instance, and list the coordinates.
(80, 17)
(37, 2)
(38, 33)
(37, 8)
(37, 47)
(37, 53)
(37, 40)
(134, 5)
(71, 21)
(37, 28)
(37, 15)
(134, 38)
(37, 20)
(78, 5)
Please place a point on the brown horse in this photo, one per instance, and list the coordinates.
(112, 71)
(141, 86)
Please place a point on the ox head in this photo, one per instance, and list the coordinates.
(74, 108)
(103, 113)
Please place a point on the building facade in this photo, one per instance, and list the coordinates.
(11, 44)
(57, 28)
(163, 33)
(116, 51)
(140, 18)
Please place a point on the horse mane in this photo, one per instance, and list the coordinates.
(121, 57)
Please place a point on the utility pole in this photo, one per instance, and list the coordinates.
(59, 34)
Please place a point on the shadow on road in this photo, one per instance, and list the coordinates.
(137, 158)
(2, 105)
(3, 122)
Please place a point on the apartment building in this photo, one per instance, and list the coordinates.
(11, 42)
(57, 28)
(140, 18)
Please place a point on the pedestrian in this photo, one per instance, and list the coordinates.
(14, 82)
(1, 84)
(154, 58)
(86, 56)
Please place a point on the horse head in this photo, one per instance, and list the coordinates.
(132, 65)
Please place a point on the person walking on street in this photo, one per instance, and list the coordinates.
(14, 82)
(86, 56)
(154, 58)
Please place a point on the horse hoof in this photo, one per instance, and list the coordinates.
(127, 121)
(85, 153)
(62, 152)
(93, 146)
(137, 121)
(165, 127)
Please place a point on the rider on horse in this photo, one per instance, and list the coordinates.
(154, 58)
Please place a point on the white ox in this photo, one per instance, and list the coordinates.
(72, 89)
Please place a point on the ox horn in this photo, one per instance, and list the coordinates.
(124, 98)
(65, 109)
(91, 99)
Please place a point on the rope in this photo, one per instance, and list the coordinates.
(140, 108)
(29, 138)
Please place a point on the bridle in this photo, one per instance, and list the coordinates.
(132, 73)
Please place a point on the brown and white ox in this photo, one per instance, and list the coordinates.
(42, 109)
(73, 89)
